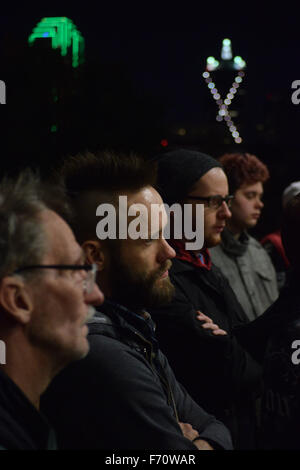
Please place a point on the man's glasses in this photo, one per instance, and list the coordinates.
(214, 202)
(88, 282)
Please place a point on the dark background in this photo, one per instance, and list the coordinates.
(137, 88)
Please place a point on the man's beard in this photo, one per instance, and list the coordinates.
(138, 290)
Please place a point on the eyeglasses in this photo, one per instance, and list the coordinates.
(88, 282)
(214, 202)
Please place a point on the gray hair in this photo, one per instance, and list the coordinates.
(22, 236)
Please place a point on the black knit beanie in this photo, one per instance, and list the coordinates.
(179, 170)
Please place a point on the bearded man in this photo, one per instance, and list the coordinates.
(124, 395)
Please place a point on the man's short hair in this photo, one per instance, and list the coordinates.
(290, 231)
(243, 168)
(92, 179)
(22, 240)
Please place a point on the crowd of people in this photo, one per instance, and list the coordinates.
(138, 342)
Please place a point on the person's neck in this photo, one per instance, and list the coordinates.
(234, 229)
(29, 370)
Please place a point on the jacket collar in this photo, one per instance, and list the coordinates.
(200, 260)
(138, 323)
(232, 246)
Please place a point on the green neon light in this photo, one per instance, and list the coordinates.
(64, 35)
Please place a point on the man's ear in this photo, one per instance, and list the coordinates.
(15, 299)
(95, 253)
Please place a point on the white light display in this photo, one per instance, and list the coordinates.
(211, 65)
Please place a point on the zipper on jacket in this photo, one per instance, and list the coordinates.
(170, 396)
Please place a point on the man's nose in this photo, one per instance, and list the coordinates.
(224, 211)
(95, 297)
(167, 252)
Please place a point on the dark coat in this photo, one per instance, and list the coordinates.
(216, 371)
(124, 395)
(22, 427)
(274, 339)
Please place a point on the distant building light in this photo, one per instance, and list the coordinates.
(64, 36)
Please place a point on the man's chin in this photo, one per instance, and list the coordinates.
(162, 293)
(213, 241)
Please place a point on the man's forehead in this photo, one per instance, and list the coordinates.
(59, 238)
(212, 183)
(147, 196)
(146, 212)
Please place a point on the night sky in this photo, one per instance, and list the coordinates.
(160, 74)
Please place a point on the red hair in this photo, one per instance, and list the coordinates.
(243, 168)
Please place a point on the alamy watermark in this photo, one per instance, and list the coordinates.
(2, 352)
(145, 225)
(296, 94)
(2, 92)
(296, 354)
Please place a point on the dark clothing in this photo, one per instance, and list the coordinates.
(255, 336)
(215, 370)
(22, 427)
(271, 337)
(272, 243)
(124, 395)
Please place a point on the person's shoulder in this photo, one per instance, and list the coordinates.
(109, 361)
(217, 276)
(253, 243)
(219, 256)
(179, 266)
(259, 252)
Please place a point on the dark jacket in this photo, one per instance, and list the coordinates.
(124, 395)
(216, 371)
(272, 243)
(22, 427)
(275, 341)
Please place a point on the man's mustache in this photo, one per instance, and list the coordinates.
(166, 267)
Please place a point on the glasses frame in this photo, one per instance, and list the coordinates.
(88, 282)
(209, 200)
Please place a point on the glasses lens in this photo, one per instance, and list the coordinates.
(215, 202)
(229, 201)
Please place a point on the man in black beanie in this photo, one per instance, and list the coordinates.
(213, 367)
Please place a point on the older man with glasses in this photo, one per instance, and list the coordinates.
(192, 327)
(46, 298)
